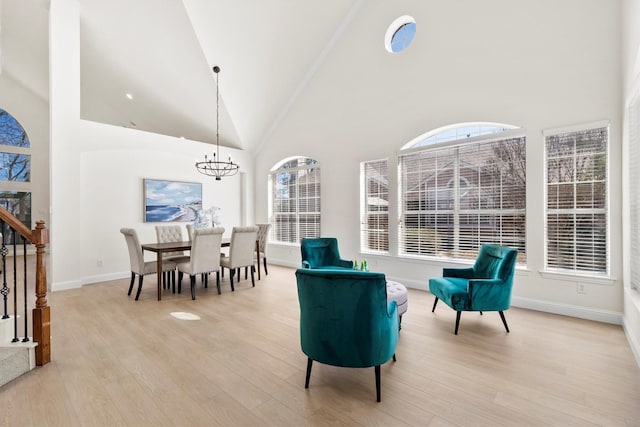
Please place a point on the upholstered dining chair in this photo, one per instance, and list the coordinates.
(345, 319)
(205, 258)
(322, 252)
(138, 264)
(241, 250)
(171, 233)
(263, 234)
(484, 287)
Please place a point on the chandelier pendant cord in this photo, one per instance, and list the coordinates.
(216, 167)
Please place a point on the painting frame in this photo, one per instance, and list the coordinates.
(170, 201)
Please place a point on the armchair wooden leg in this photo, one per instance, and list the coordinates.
(309, 363)
(133, 279)
(394, 357)
(457, 321)
(377, 383)
(504, 321)
(264, 262)
(218, 281)
(434, 305)
(180, 274)
(231, 274)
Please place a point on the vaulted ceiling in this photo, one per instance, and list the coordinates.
(162, 53)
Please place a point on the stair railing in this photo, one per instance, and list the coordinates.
(11, 228)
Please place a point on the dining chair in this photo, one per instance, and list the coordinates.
(241, 252)
(138, 264)
(263, 234)
(205, 258)
(171, 233)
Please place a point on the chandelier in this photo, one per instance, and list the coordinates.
(215, 166)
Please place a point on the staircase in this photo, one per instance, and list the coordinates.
(16, 358)
(25, 317)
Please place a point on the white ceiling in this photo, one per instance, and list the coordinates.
(162, 52)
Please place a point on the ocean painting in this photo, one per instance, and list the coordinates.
(171, 201)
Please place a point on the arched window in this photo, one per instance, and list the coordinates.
(15, 170)
(294, 211)
(461, 186)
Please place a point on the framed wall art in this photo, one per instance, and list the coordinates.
(171, 201)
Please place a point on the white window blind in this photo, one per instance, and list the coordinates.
(576, 214)
(295, 207)
(374, 231)
(634, 188)
(456, 198)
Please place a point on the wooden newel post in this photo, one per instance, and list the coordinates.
(41, 313)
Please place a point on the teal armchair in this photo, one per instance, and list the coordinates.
(484, 287)
(345, 319)
(322, 252)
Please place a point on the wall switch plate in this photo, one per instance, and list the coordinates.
(580, 288)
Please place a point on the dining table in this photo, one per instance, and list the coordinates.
(162, 248)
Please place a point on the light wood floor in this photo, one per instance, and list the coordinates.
(121, 362)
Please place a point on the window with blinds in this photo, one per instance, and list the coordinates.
(456, 197)
(577, 201)
(634, 188)
(374, 229)
(295, 202)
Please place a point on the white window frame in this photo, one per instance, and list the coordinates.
(415, 146)
(568, 273)
(279, 169)
(365, 213)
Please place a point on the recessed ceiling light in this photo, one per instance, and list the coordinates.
(129, 96)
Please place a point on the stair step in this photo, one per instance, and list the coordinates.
(15, 361)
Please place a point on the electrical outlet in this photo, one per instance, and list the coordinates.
(580, 288)
(99, 263)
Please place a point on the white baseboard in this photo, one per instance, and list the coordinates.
(75, 284)
(63, 286)
(587, 313)
(633, 343)
(105, 278)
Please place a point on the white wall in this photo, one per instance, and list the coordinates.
(97, 172)
(536, 65)
(631, 86)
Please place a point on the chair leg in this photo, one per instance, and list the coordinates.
(231, 271)
(205, 279)
(180, 274)
(434, 305)
(253, 281)
(377, 368)
(394, 357)
(193, 286)
(504, 321)
(457, 321)
(309, 363)
(246, 273)
(140, 277)
(480, 313)
(133, 279)
(264, 262)
(400, 322)
(218, 281)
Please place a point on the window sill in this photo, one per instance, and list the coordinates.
(575, 277)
